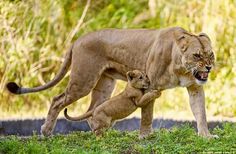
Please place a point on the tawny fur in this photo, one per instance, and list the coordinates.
(171, 57)
(122, 105)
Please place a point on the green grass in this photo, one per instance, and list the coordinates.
(177, 140)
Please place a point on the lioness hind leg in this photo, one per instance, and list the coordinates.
(58, 103)
(72, 94)
(101, 92)
(50, 121)
(81, 83)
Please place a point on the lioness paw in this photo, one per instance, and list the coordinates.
(145, 134)
(45, 131)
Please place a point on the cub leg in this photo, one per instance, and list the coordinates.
(100, 122)
(148, 97)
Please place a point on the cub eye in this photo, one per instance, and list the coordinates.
(140, 78)
(197, 56)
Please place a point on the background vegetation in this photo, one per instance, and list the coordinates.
(34, 36)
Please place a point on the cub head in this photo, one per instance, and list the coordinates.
(138, 79)
(196, 54)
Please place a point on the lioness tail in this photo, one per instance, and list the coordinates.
(15, 89)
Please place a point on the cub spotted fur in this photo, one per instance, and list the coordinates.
(122, 105)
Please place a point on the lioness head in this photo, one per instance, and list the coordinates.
(197, 55)
(138, 79)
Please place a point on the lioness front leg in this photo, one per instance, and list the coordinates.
(197, 103)
(148, 97)
(146, 120)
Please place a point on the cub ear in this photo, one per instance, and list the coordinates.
(130, 75)
(204, 35)
(181, 38)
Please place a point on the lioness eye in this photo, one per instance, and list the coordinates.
(197, 56)
(140, 77)
(212, 55)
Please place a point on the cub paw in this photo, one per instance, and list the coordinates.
(208, 135)
(214, 136)
(156, 93)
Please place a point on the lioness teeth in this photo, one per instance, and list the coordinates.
(203, 74)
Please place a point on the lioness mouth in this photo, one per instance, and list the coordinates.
(202, 76)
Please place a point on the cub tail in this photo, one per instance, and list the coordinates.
(79, 118)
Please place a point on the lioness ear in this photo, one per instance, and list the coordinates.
(181, 40)
(204, 35)
(130, 75)
(206, 41)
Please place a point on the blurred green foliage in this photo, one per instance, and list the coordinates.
(33, 38)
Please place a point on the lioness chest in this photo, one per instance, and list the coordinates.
(174, 81)
(172, 77)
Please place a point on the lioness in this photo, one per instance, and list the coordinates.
(171, 57)
(120, 106)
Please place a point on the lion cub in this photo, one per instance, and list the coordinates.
(122, 105)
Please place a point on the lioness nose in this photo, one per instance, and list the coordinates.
(208, 68)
